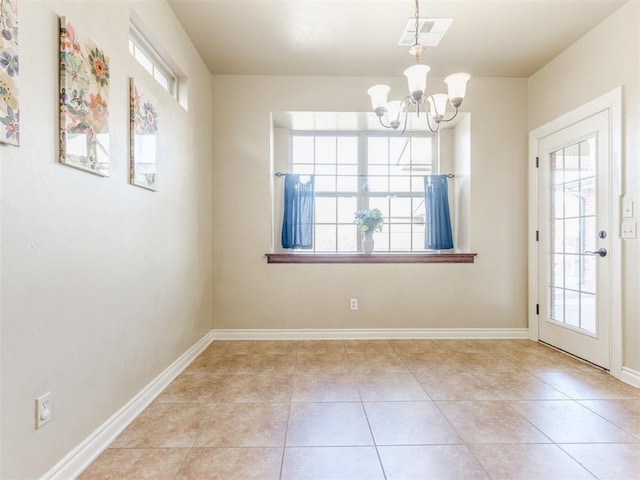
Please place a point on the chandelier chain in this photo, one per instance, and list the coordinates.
(417, 19)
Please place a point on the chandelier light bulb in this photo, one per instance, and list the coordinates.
(417, 80)
(378, 94)
(457, 84)
(395, 110)
(438, 106)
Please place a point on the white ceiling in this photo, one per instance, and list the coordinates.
(488, 38)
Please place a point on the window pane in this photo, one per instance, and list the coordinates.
(418, 236)
(400, 184)
(348, 150)
(161, 79)
(422, 154)
(302, 149)
(325, 210)
(400, 237)
(347, 184)
(400, 209)
(347, 238)
(302, 168)
(572, 163)
(347, 207)
(326, 150)
(400, 153)
(325, 238)
(377, 150)
(145, 61)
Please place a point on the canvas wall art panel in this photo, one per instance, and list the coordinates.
(9, 72)
(84, 102)
(144, 137)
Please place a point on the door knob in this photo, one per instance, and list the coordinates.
(602, 252)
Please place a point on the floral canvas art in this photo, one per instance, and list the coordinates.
(9, 70)
(84, 103)
(144, 138)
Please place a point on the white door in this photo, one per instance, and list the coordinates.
(574, 239)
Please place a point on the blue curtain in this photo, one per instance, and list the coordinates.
(297, 223)
(437, 232)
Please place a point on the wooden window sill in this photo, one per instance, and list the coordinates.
(370, 257)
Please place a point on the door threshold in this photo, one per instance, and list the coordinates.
(574, 356)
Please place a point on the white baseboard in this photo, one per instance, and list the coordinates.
(632, 377)
(366, 333)
(76, 461)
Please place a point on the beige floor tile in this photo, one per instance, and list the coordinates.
(233, 407)
(431, 462)
(325, 387)
(232, 464)
(139, 464)
(414, 346)
(566, 421)
(463, 386)
(328, 424)
(231, 346)
(409, 423)
(581, 385)
(426, 362)
(461, 346)
(374, 363)
(489, 422)
(274, 347)
(321, 346)
(246, 425)
(520, 386)
(220, 363)
(529, 462)
(368, 346)
(165, 425)
(610, 461)
(257, 363)
(201, 388)
(333, 362)
(331, 463)
(622, 413)
(255, 388)
(390, 387)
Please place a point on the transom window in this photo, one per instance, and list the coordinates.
(151, 61)
(365, 171)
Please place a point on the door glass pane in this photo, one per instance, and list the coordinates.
(572, 222)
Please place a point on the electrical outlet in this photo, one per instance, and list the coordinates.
(628, 230)
(43, 410)
(354, 304)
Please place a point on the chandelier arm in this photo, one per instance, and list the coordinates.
(382, 123)
(455, 114)
(429, 125)
(406, 119)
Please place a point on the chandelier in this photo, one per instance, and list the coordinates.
(393, 114)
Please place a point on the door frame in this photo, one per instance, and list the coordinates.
(611, 101)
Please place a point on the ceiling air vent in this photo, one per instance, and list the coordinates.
(430, 31)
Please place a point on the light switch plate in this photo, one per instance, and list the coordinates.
(627, 209)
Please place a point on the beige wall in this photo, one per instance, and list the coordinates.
(103, 284)
(604, 59)
(249, 294)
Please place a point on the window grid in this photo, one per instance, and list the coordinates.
(353, 173)
(573, 232)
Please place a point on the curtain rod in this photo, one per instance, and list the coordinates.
(281, 174)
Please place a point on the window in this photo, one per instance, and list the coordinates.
(365, 171)
(151, 61)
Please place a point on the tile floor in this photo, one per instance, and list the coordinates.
(397, 409)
